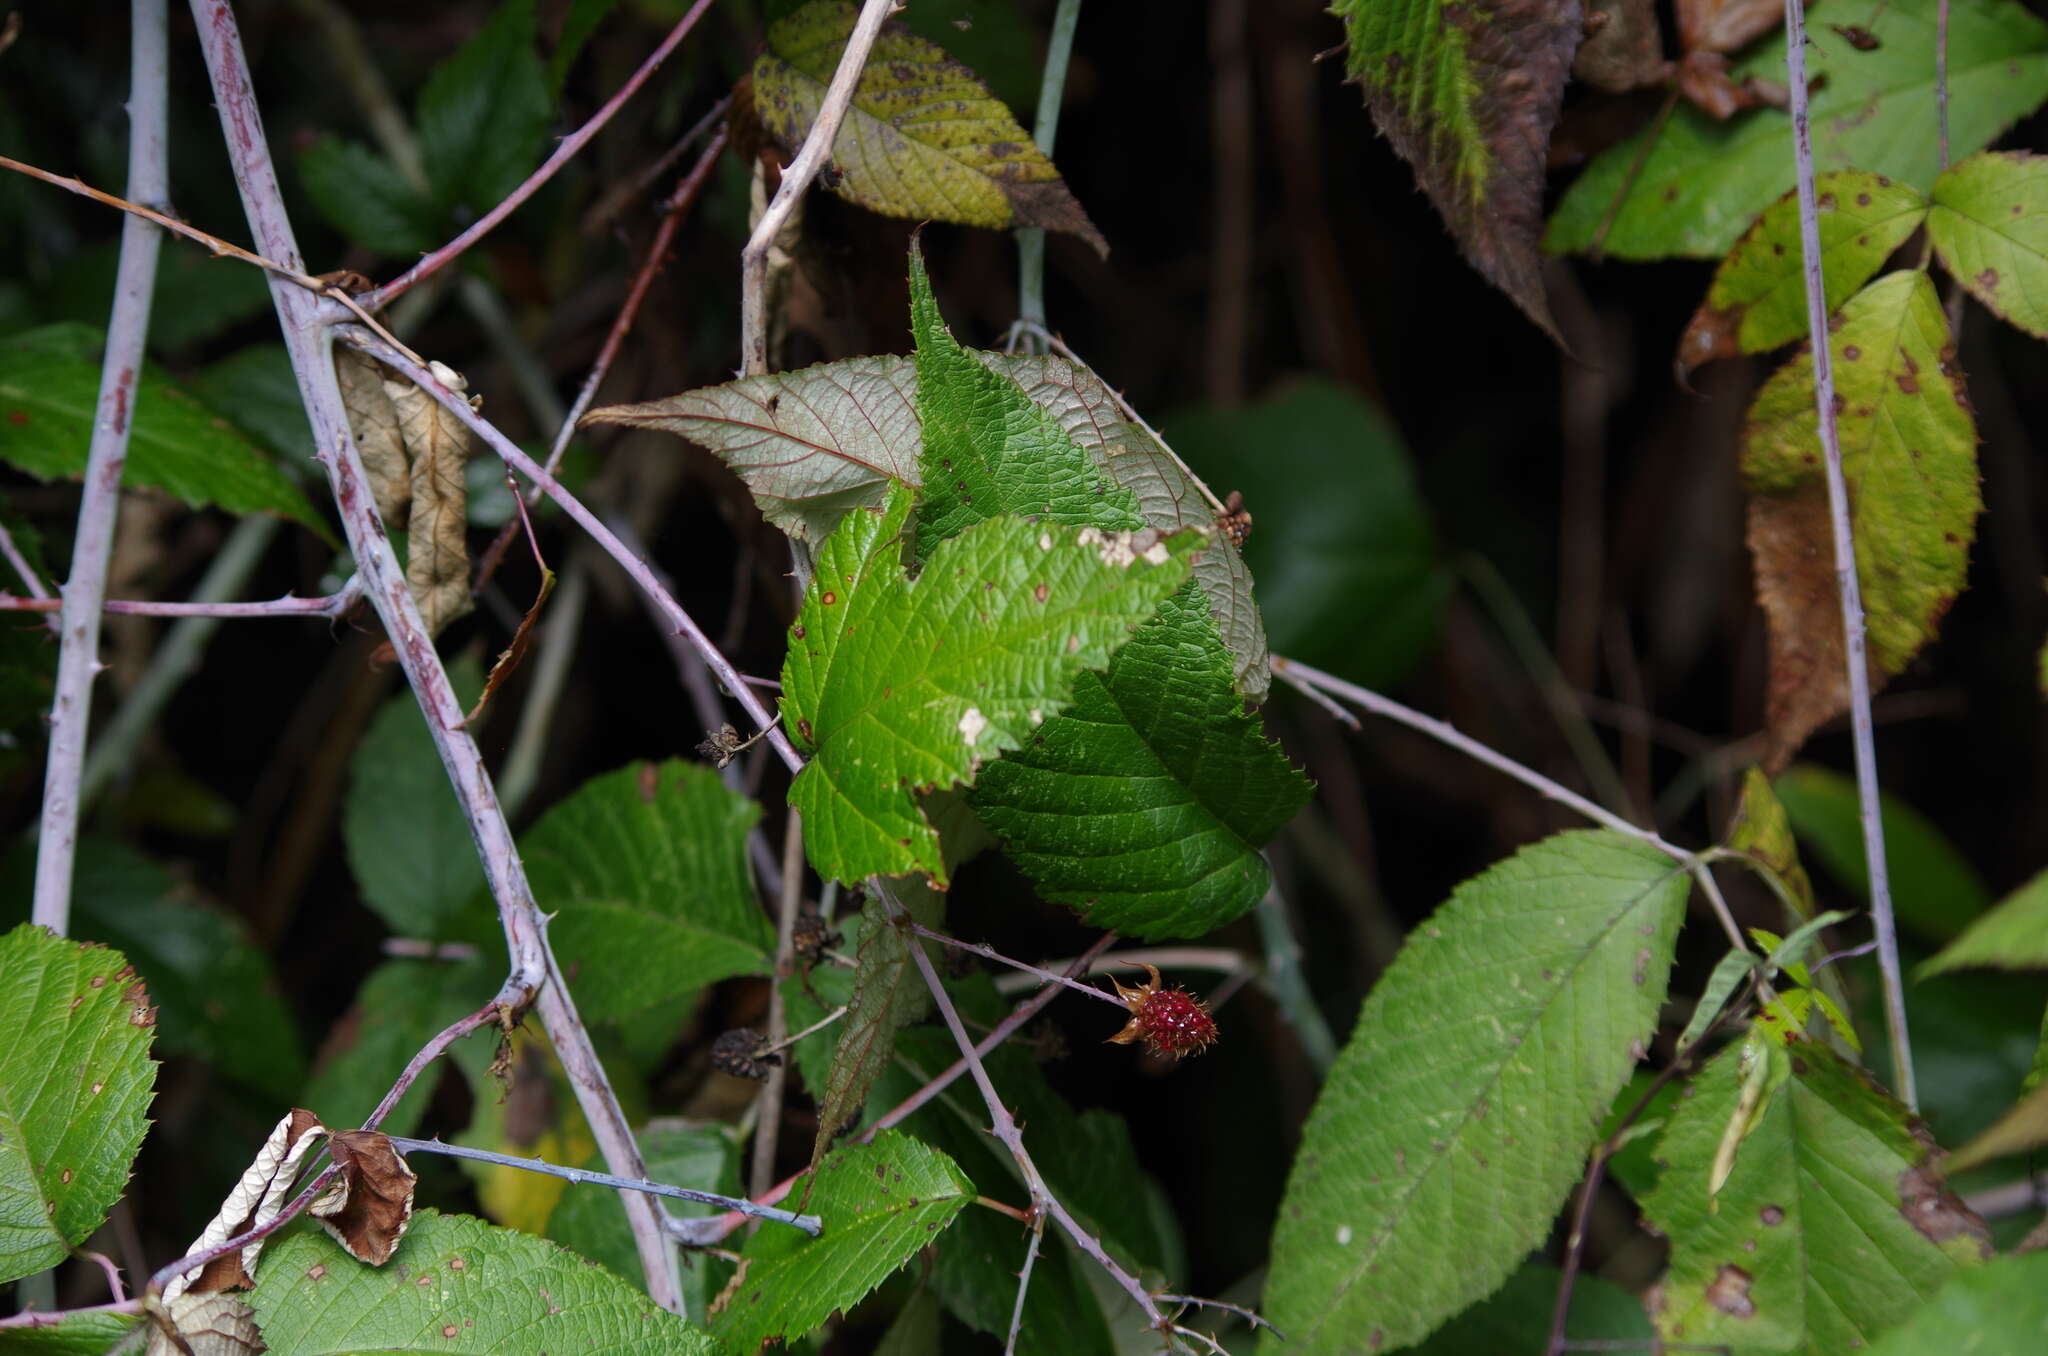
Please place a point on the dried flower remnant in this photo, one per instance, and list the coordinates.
(740, 1053)
(1169, 1022)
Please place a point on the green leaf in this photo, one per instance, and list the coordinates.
(1730, 971)
(1763, 832)
(1468, 94)
(888, 994)
(461, 1286)
(1342, 547)
(591, 1222)
(830, 987)
(1146, 804)
(1166, 494)
(814, 443)
(1702, 182)
(1909, 454)
(49, 393)
(1934, 888)
(2012, 936)
(1758, 298)
(915, 1331)
(1998, 1309)
(809, 444)
(975, 1271)
(256, 390)
(1809, 1245)
(198, 295)
(2020, 1129)
(880, 1203)
(1460, 1113)
(1086, 1157)
(363, 196)
(75, 1082)
(1517, 1317)
(1990, 226)
(76, 1334)
(408, 839)
(900, 687)
(484, 113)
(216, 996)
(645, 869)
(923, 138)
(398, 1008)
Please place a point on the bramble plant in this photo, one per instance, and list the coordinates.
(743, 1050)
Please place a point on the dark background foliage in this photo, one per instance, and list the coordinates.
(1261, 234)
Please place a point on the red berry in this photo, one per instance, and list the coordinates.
(1170, 1022)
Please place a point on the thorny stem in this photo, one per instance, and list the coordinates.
(1059, 50)
(1004, 1126)
(809, 1224)
(1860, 728)
(701, 1232)
(564, 152)
(1037, 1233)
(636, 569)
(78, 658)
(1048, 976)
(533, 973)
(796, 177)
(332, 607)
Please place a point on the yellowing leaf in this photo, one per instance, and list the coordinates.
(436, 546)
(1990, 225)
(1909, 453)
(924, 137)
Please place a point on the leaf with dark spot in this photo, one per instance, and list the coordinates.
(1990, 226)
(1468, 94)
(1909, 455)
(888, 995)
(923, 138)
(1758, 298)
(1809, 1245)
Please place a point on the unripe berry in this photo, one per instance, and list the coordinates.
(1169, 1022)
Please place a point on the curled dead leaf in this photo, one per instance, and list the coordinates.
(370, 1204)
(437, 542)
(374, 421)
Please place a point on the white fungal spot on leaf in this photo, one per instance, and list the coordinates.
(971, 725)
(1045, 541)
(1343, 1235)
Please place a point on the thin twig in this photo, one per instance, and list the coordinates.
(1250, 1316)
(1318, 696)
(1044, 976)
(1218, 958)
(1037, 1235)
(533, 974)
(1695, 863)
(30, 580)
(796, 177)
(699, 1232)
(50, 1318)
(620, 195)
(807, 1223)
(289, 272)
(107, 1268)
(564, 152)
(789, 900)
(332, 607)
(1004, 1126)
(1860, 728)
(635, 568)
(1596, 1168)
(1052, 85)
(78, 657)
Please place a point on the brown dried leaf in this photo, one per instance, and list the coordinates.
(255, 1199)
(368, 1207)
(1725, 25)
(208, 1325)
(1624, 47)
(374, 421)
(1468, 94)
(508, 660)
(437, 541)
